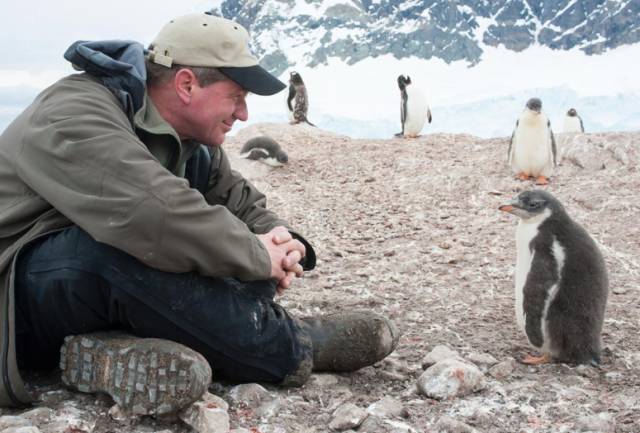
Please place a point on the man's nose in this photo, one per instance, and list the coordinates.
(242, 112)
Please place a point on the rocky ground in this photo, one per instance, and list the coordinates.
(411, 229)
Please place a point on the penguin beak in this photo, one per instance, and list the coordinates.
(512, 207)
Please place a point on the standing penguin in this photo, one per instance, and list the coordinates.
(298, 100)
(561, 281)
(264, 149)
(573, 122)
(532, 148)
(414, 110)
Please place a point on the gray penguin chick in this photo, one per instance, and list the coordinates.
(266, 150)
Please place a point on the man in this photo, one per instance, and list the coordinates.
(119, 211)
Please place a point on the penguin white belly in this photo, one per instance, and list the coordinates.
(571, 124)
(532, 154)
(417, 109)
(524, 235)
(289, 111)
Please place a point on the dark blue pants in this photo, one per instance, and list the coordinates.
(68, 283)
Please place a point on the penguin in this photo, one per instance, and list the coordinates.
(298, 100)
(573, 122)
(561, 282)
(414, 110)
(266, 150)
(532, 148)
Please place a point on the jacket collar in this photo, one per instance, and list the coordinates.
(149, 119)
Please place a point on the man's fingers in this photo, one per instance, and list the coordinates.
(294, 245)
(291, 259)
(282, 237)
(285, 283)
(297, 270)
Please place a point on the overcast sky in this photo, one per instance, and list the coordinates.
(36, 34)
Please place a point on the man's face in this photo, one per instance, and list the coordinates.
(213, 109)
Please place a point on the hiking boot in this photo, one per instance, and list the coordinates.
(144, 376)
(350, 341)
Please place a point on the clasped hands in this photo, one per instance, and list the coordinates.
(285, 253)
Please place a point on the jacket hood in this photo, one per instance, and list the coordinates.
(119, 64)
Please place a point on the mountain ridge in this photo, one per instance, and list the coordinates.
(286, 33)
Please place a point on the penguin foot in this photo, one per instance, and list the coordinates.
(541, 180)
(545, 358)
(522, 176)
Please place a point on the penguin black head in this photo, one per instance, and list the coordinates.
(403, 82)
(295, 78)
(534, 104)
(572, 112)
(529, 204)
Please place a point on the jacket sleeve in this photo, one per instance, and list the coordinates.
(80, 155)
(229, 188)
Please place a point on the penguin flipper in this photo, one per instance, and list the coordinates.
(429, 114)
(255, 154)
(581, 124)
(540, 279)
(403, 109)
(553, 144)
(509, 154)
(292, 95)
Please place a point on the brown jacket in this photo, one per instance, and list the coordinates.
(74, 157)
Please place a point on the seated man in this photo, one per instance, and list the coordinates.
(119, 211)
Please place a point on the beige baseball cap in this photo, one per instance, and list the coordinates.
(210, 41)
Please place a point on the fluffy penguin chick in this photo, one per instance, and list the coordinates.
(264, 149)
(298, 100)
(573, 122)
(561, 281)
(532, 149)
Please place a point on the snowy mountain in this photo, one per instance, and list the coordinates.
(309, 32)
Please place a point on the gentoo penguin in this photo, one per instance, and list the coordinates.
(264, 149)
(532, 148)
(561, 281)
(414, 110)
(298, 100)
(573, 122)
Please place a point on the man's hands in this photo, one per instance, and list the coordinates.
(285, 253)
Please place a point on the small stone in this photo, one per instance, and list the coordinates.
(450, 425)
(451, 378)
(29, 429)
(503, 369)
(207, 416)
(323, 380)
(482, 359)
(347, 416)
(39, 415)
(439, 353)
(387, 407)
(8, 421)
(600, 423)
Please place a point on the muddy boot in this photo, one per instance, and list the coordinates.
(350, 341)
(144, 376)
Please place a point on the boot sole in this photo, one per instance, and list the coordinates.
(143, 376)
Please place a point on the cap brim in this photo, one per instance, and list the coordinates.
(254, 79)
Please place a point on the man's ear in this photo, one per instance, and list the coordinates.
(183, 83)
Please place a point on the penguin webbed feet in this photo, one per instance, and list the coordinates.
(541, 180)
(529, 359)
